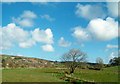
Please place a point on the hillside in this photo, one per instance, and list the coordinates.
(9, 61)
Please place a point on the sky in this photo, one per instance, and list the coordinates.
(48, 30)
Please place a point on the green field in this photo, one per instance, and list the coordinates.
(53, 75)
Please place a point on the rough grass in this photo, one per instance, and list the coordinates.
(53, 75)
(106, 75)
(29, 75)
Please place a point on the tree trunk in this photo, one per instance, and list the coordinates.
(72, 70)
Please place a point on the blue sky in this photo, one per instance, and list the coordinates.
(48, 30)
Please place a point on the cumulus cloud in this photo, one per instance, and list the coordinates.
(81, 34)
(14, 35)
(23, 22)
(96, 11)
(103, 29)
(48, 48)
(98, 29)
(45, 36)
(26, 19)
(63, 43)
(90, 11)
(10, 34)
(27, 44)
(47, 17)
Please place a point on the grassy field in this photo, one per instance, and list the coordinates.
(53, 75)
(106, 75)
(30, 75)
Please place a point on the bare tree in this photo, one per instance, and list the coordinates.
(73, 58)
(100, 63)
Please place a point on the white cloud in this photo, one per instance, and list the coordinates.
(103, 29)
(97, 11)
(6, 45)
(113, 9)
(10, 34)
(27, 44)
(63, 43)
(14, 35)
(81, 34)
(48, 48)
(45, 36)
(109, 46)
(29, 14)
(23, 22)
(89, 11)
(14, 32)
(47, 17)
(26, 19)
(97, 29)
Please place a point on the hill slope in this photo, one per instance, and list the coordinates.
(9, 61)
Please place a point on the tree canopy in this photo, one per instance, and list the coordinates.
(115, 61)
(72, 59)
